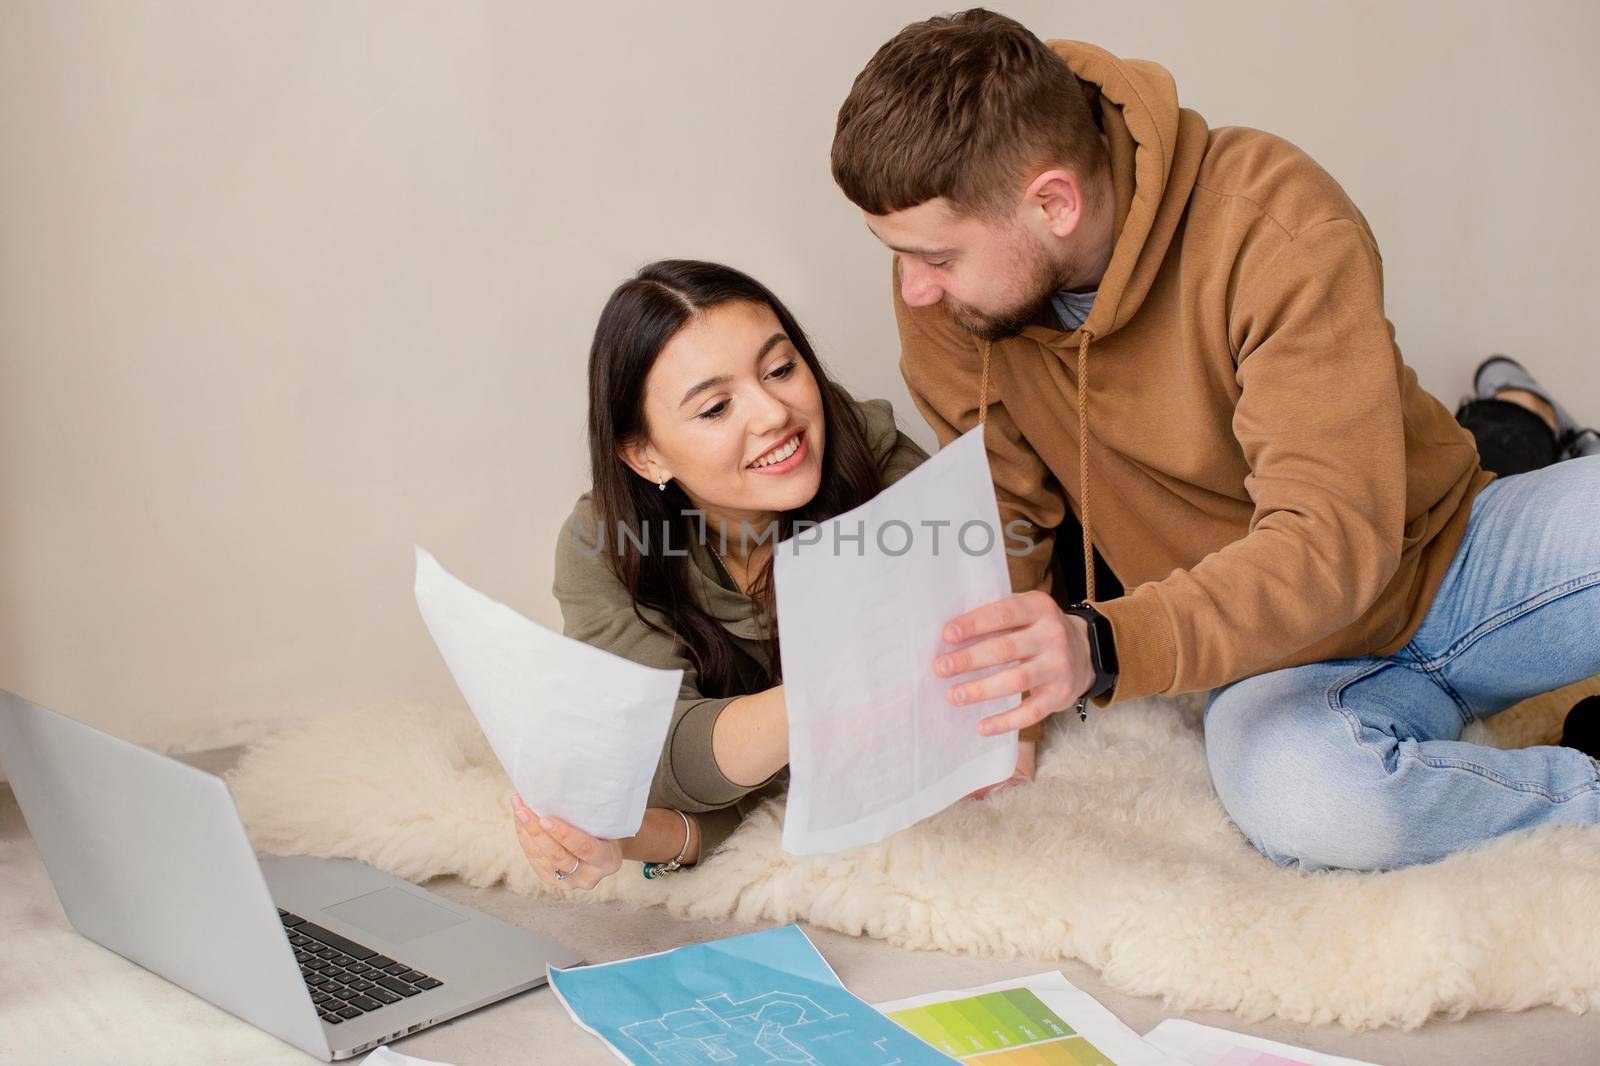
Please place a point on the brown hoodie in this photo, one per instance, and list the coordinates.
(1264, 474)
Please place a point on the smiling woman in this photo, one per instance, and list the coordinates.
(713, 425)
(746, 439)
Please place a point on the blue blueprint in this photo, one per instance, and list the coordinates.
(761, 999)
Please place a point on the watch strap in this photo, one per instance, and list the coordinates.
(1102, 654)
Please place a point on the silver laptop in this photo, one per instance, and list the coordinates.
(151, 860)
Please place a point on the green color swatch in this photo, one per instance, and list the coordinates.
(993, 1021)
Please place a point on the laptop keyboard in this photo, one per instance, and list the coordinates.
(347, 979)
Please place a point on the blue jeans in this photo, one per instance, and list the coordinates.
(1357, 763)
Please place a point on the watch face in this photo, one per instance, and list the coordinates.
(1105, 650)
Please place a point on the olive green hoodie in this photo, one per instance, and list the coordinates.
(1264, 474)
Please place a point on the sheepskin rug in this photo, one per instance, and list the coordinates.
(1119, 855)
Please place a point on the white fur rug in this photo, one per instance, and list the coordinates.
(1119, 855)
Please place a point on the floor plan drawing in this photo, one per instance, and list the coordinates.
(761, 999)
(776, 1027)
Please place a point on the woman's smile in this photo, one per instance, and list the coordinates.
(785, 456)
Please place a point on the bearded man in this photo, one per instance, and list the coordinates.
(1175, 339)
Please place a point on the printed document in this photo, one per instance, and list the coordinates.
(1203, 1045)
(579, 730)
(1043, 1020)
(760, 999)
(863, 599)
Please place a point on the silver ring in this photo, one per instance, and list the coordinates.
(560, 876)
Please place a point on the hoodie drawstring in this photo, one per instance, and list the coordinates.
(1083, 465)
(1083, 447)
(983, 389)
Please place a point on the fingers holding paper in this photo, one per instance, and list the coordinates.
(562, 855)
(542, 852)
(1048, 651)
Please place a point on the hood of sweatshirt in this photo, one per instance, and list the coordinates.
(1155, 150)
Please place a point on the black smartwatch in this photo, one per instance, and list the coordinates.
(1102, 655)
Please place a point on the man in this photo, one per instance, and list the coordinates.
(1178, 333)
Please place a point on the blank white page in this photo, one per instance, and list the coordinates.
(578, 729)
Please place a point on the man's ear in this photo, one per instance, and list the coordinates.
(642, 460)
(1058, 197)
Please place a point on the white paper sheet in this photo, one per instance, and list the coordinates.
(578, 729)
(987, 1028)
(1203, 1045)
(874, 745)
(387, 1056)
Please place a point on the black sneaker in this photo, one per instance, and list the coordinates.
(1580, 442)
(1582, 730)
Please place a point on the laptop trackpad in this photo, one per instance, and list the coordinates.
(394, 914)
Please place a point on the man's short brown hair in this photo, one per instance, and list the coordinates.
(961, 106)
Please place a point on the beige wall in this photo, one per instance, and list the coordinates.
(286, 287)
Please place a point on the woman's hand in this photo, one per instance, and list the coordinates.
(552, 846)
(1026, 751)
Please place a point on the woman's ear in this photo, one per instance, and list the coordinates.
(642, 460)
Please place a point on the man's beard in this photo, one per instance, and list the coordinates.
(1042, 280)
(1001, 327)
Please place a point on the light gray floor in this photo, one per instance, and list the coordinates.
(64, 999)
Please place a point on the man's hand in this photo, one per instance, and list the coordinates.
(1048, 650)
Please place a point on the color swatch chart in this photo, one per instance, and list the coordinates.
(1009, 1027)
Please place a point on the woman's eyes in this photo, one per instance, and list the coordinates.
(717, 410)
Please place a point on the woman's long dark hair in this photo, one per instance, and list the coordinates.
(641, 317)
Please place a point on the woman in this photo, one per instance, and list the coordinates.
(713, 429)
